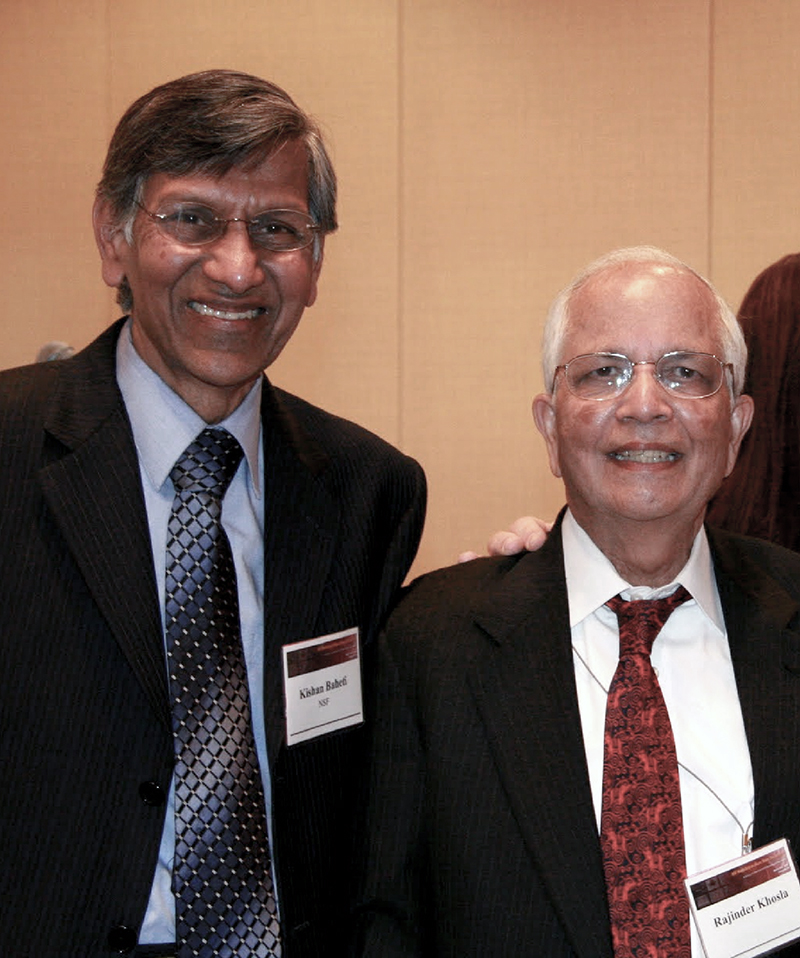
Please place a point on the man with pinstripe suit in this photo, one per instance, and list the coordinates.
(211, 217)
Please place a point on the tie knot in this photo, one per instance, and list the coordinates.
(208, 463)
(640, 620)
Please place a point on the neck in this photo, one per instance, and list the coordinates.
(213, 408)
(644, 553)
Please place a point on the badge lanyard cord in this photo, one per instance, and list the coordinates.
(747, 838)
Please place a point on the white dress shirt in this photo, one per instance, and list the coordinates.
(693, 663)
(163, 426)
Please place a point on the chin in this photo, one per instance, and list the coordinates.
(647, 510)
(227, 369)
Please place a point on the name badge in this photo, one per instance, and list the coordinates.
(322, 685)
(749, 906)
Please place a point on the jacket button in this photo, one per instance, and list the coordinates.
(151, 793)
(121, 940)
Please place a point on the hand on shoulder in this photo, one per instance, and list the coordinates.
(526, 534)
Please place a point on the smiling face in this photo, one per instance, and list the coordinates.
(208, 319)
(646, 455)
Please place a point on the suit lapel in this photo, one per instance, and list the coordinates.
(94, 493)
(301, 522)
(525, 690)
(760, 617)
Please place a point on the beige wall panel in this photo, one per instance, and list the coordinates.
(756, 198)
(535, 136)
(52, 109)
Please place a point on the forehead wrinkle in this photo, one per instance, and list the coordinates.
(212, 195)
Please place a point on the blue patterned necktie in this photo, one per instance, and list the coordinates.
(225, 903)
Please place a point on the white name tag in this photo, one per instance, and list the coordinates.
(749, 906)
(322, 685)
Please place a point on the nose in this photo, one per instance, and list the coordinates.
(233, 261)
(645, 398)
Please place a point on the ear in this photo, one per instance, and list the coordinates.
(544, 415)
(316, 270)
(111, 242)
(741, 417)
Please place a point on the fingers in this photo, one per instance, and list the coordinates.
(505, 544)
(531, 531)
(526, 534)
(467, 556)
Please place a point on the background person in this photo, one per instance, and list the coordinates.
(761, 497)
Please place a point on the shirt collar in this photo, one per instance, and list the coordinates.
(592, 579)
(164, 425)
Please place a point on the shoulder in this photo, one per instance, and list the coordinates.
(23, 385)
(453, 591)
(83, 378)
(486, 596)
(434, 628)
(328, 443)
(49, 408)
(333, 433)
(26, 398)
(505, 597)
(516, 585)
(458, 619)
(755, 565)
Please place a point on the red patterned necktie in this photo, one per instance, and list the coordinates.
(641, 830)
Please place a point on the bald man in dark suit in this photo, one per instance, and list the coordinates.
(487, 819)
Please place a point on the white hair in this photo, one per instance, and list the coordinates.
(734, 348)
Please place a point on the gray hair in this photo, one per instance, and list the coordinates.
(734, 349)
(208, 123)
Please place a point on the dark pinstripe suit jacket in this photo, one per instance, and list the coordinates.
(86, 745)
(482, 832)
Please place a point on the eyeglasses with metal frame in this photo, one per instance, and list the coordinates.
(192, 224)
(684, 374)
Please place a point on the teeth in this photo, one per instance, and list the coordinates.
(225, 313)
(646, 455)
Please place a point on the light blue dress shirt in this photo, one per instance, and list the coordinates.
(163, 426)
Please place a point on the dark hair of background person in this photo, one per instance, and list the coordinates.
(210, 123)
(761, 497)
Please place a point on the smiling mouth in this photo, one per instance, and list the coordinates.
(645, 455)
(229, 314)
